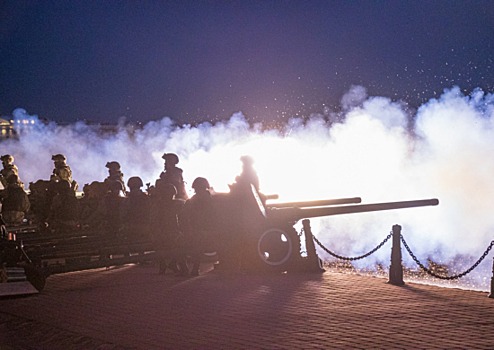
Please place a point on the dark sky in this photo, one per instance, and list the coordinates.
(204, 60)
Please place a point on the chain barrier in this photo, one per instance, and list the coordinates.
(356, 257)
(417, 261)
(430, 272)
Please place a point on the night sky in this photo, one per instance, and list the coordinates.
(204, 60)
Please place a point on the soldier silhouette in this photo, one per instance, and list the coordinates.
(199, 224)
(165, 210)
(62, 171)
(114, 173)
(111, 207)
(65, 209)
(9, 168)
(135, 210)
(247, 177)
(173, 175)
(15, 202)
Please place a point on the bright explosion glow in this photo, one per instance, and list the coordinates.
(374, 150)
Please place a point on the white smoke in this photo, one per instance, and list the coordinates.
(375, 149)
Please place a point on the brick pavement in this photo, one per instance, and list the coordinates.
(133, 307)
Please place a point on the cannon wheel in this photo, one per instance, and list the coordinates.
(278, 249)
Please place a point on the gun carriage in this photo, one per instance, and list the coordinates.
(270, 241)
(261, 235)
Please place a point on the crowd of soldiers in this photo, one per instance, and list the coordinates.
(181, 226)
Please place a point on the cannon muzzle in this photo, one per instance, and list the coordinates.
(295, 214)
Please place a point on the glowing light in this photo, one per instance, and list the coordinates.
(370, 151)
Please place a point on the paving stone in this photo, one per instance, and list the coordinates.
(133, 307)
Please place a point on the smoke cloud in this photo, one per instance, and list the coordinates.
(375, 148)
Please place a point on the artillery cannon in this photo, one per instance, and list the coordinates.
(259, 235)
(265, 232)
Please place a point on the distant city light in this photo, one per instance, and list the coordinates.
(21, 123)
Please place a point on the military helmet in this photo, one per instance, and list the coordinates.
(170, 157)
(58, 158)
(113, 165)
(247, 160)
(7, 158)
(135, 182)
(200, 183)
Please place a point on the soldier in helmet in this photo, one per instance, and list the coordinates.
(65, 209)
(114, 173)
(15, 202)
(135, 210)
(243, 190)
(134, 184)
(248, 176)
(173, 175)
(198, 222)
(93, 194)
(9, 168)
(110, 209)
(165, 210)
(62, 171)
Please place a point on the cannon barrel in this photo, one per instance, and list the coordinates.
(316, 203)
(296, 214)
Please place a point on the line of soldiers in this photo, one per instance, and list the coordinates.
(179, 226)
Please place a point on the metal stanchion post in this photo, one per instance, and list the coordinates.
(313, 261)
(396, 268)
(492, 281)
